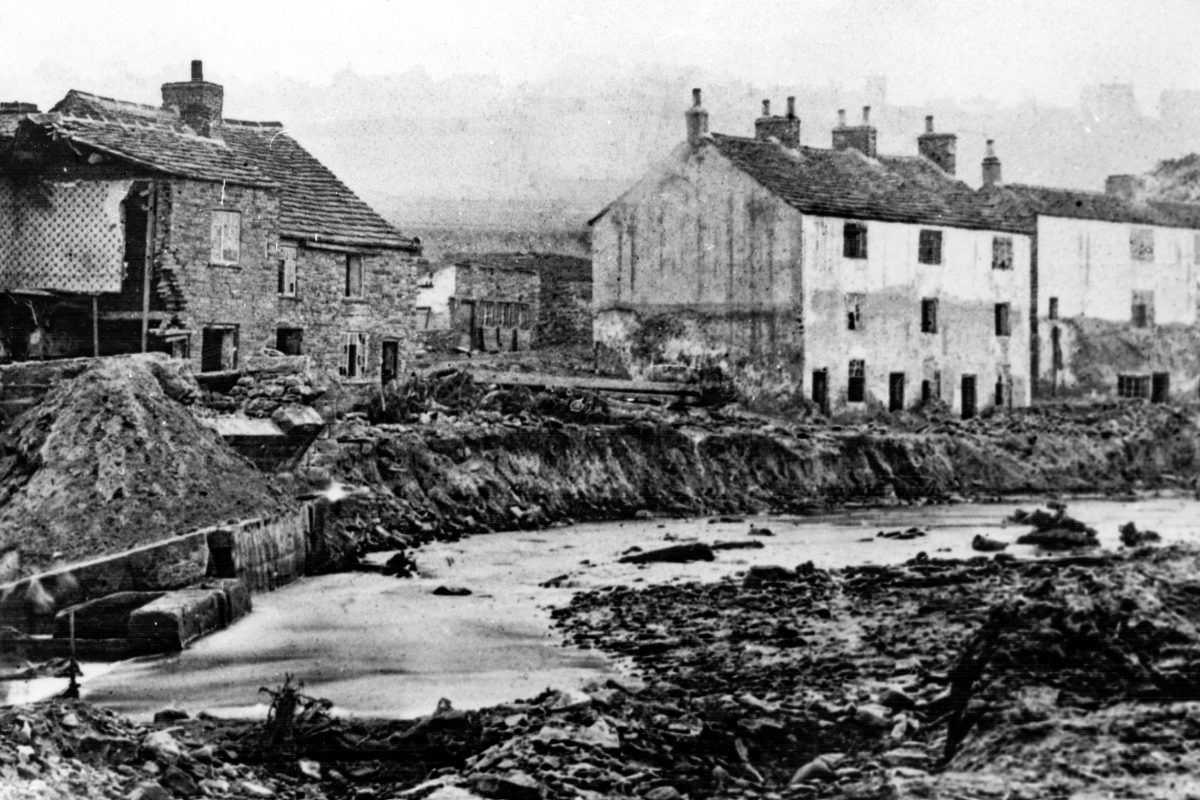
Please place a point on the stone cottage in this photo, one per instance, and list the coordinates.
(127, 227)
(834, 273)
(1115, 285)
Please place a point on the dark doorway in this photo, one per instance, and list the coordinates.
(218, 349)
(391, 361)
(968, 396)
(896, 391)
(1160, 387)
(289, 341)
(820, 390)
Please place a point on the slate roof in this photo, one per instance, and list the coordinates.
(846, 183)
(314, 204)
(1022, 201)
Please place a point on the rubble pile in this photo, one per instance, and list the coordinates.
(110, 460)
(260, 393)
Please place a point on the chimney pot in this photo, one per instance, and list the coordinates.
(940, 148)
(841, 117)
(696, 98)
(197, 71)
(199, 104)
(991, 148)
(991, 165)
(766, 108)
(866, 115)
(791, 112)
(929, 124)
(785, 130)
(697, 121)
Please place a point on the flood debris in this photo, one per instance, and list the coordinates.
(1132, 537)
(986, 544)
(907, 533)
(675, 554)
(1054, 530)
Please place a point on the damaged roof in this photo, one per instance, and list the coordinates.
(1023, 201)
(846, 183)
(315, 205)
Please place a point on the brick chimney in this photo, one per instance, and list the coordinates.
(938, 147)
(860, 137)
(785, 129)
(697, 121)
(1126, 187)
(991, 165)
(198, 103)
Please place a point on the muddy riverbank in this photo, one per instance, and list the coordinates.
(488, 471)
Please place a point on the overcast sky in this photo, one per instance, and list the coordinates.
(1012, 50)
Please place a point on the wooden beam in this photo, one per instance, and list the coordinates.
(148, 268)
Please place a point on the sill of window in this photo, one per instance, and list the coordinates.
(355, 300)
(224, 266)
(288, 297)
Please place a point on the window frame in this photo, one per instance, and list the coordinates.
(1143, 300)
(854, 310)
(353, 259)
(929, 315)
(287, 264)
(280, 336)
(854, 240)
(1133, 387)
(929, 246)
(1002, 252)
(856, 381)
(354, 362)
(1141, 245)
(1003, 319)
(219, 236)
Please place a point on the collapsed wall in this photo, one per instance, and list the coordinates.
(111, 459)
(1087, 357)
(479, 476)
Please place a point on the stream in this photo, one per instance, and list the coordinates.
(389, 647)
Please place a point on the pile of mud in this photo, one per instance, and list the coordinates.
(112, 459)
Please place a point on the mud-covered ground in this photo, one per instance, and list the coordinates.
(1075, 677)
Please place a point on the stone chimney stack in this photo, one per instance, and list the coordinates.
(785, 129)
(1126, 187)
(198, 103)
(860, 137)
(939, 148)
(991, 165)
(697, 121)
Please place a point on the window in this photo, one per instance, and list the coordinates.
(354, 276)
(1056, 352)
(1142, 314)
(929, 315)
(854, 240)
(854, 304)
(1141, 244)
(1053, 308)
(225, 242)
(523, 316)
(1002, 252)
(489, 314)
(290, 341)
(929, 249)
(354, 356)
(1133, 387)
(856, 388)
(287, 271)
(1003, 392)
(1003, 319)
(218, 348)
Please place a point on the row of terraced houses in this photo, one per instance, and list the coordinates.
(860, 279)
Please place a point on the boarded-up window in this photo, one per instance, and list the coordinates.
(929, 250)
(856, 387)
(354, 356)
(287, 271)
(1141, 244)
(354, 276)
(1002, 252)
(854, 240)
(1142, 315)
(1003, 319)
(226, 240)
(929, 307)
(854, 306)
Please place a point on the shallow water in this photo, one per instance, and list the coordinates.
(388, 647)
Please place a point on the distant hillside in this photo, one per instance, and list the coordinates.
(442, 243)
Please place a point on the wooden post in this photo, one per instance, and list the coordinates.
(95, 328)
(148, 269)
